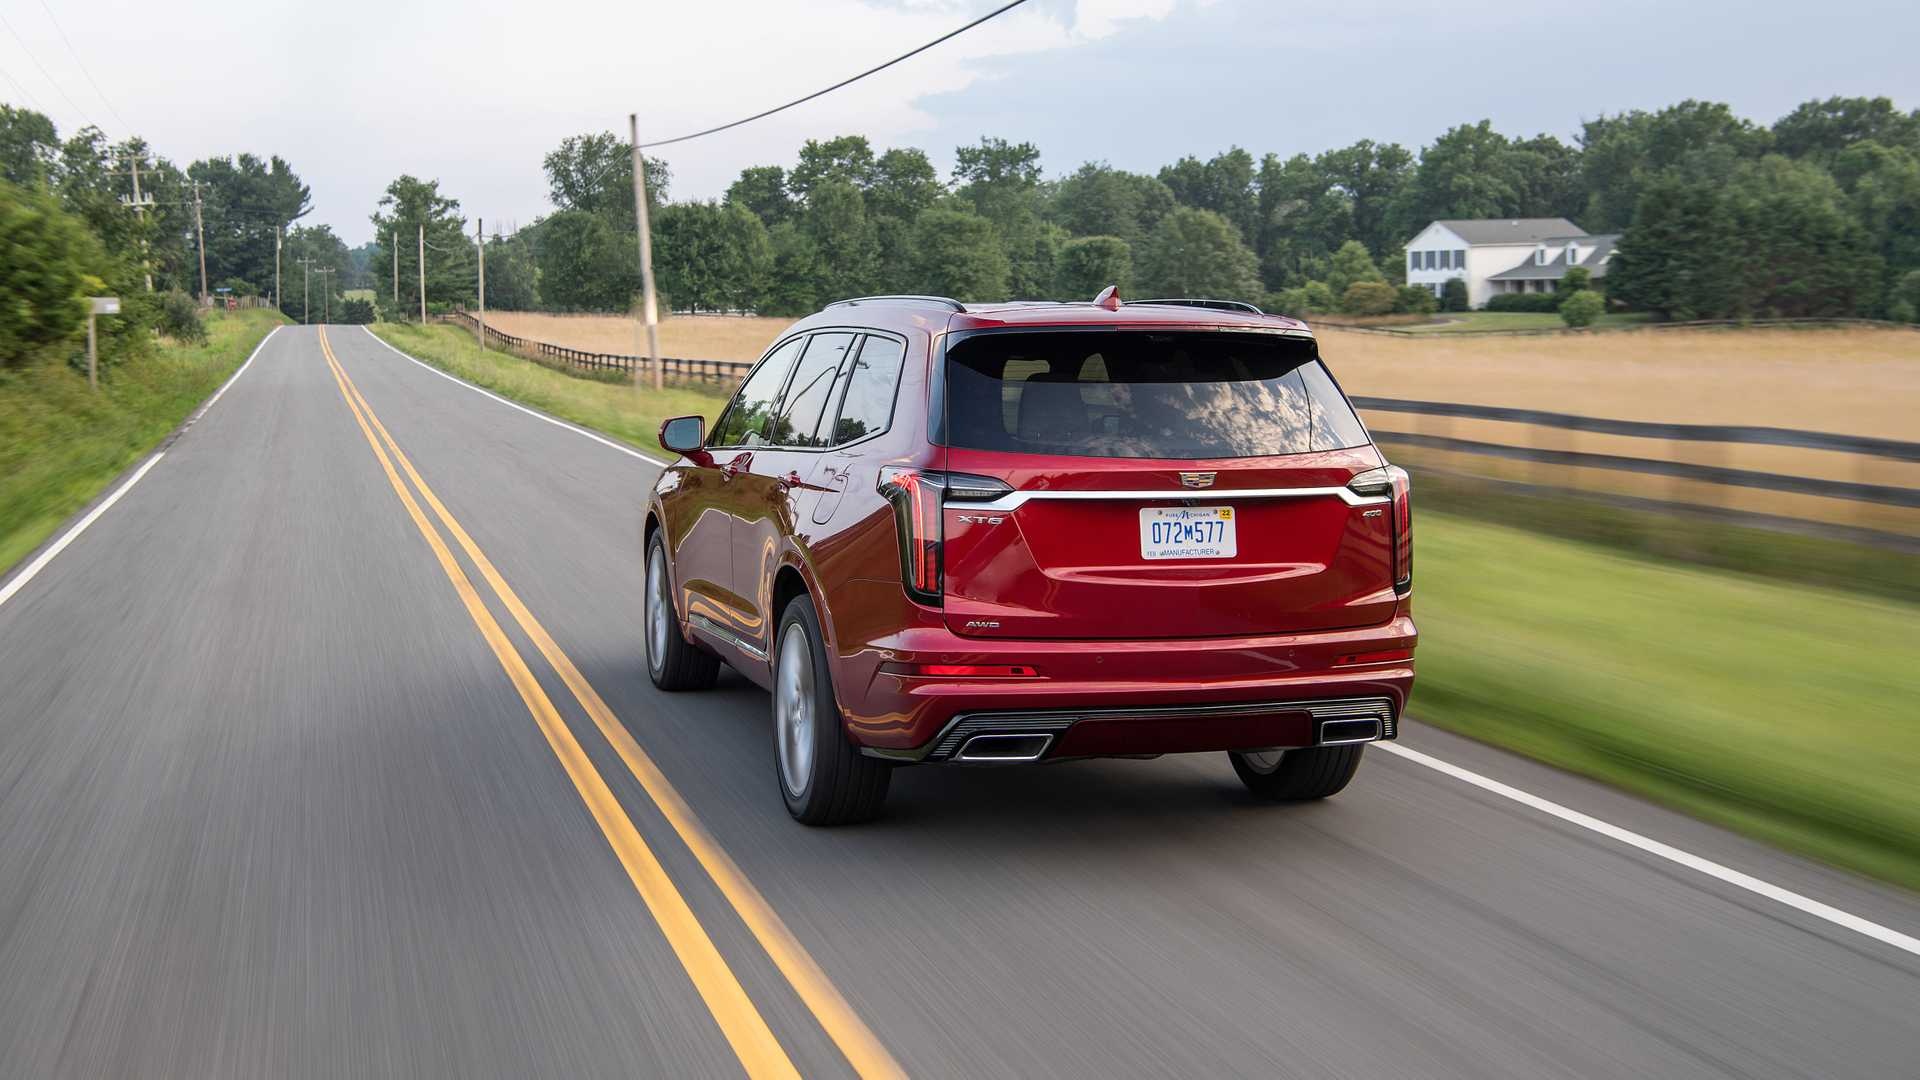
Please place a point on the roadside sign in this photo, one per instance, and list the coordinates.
(105, 305)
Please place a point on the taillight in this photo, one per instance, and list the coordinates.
(1402, 530)
(1392, 481)
(917, 496)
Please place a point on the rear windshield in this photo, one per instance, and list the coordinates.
(1144, 395)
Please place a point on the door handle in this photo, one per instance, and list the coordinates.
(732, 468)
(792, 479)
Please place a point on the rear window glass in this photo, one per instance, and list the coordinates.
(1145, 395)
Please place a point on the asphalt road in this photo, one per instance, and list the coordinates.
(272, 804)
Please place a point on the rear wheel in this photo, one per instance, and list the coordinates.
(1313, 772)
(823, 778)
(673, 662)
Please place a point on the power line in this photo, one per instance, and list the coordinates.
(58, 29)
(24, 92)
(1003, 9)
(45, 73)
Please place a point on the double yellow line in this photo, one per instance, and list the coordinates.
(752, 1041)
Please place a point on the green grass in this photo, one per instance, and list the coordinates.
(611, 406)
(1783, 711)
(1516, 320)
(60, 443)
(358, 294)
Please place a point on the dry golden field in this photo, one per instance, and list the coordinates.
(1858, 382)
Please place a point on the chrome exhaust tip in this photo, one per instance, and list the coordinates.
(1003, 749)
(1359, 729)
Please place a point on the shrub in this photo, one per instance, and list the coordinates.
(1453, 295)
(1415, 300)
(1538, 303)
(1581, 307)
(179, 317)
(1318, 296)
(356, 309)
(44, 274)
(1369, 298)
(1576, 279)
(1903, 303)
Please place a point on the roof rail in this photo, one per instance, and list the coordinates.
(902, 297)
(1216, 305)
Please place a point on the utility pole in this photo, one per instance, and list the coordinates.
(423, 275)
(480, 242)
(200, 229)
(279, 236)
(306, 287)
(393, 241)
(650, 311)
(326, 295)
(140, 211)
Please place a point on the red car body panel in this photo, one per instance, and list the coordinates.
(1143, 657)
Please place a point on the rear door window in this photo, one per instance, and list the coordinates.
(1145, 395)
(745, 421)
(798, 423)
(866, 405)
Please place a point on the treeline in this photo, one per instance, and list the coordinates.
(69, 229)
(1818, 214)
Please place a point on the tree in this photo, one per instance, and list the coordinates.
(1088, 264)
(904, 183)
(1349, 265)
(1823, 130)
(1415, 300)
(1904, 303)
(711, 256)
(29, 148)
(763, 190)
(999, 178)
(49, 270)
(1453, 295)
(1098, 200)
(1033, 248)
(847, 159)
(1581, 307)
(1197, 253)
(846, 246)
(957, 253)
(585, 264)
(1223, 185)
(1575, 279)
(1883, 187)
(245, 202)
(1371, 176)
(1369, 298)
(793, 289)
(1303, 218)
(511, 284)
(299, 288)
(409, 205)
(594, 173)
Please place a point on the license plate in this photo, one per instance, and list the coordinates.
(1187, 532)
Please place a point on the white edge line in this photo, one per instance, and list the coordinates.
(535, 413)
(1727, 874)
(38, 564)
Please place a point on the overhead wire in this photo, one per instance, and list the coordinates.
(74, 105)
(82, 65)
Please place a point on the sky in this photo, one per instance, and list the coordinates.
(475, 92)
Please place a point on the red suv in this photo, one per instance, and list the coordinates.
(1032, 532)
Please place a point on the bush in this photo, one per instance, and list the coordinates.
(1902, 311)
(1538, 303)
(1581, 307)
(1415, 300)
(1576, 279)
(1317, 296)
(44, 274)
(179, 317)
(1369, 298)
(1453, 295)
(356, 309)
(1903, 303)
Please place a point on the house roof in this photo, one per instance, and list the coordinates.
(1593, 258)
(1512, 230)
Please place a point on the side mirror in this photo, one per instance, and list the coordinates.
(684, 434)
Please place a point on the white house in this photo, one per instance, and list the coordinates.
(1504, 256)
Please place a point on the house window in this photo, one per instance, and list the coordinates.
(1446, 260)
(1459, 260)
(1540, 255)
(1413, 260)
(1573, 255)
(1433, 260)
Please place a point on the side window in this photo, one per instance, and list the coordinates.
(867, 406)
(746, 419)
(1334, 427)
(806, 398)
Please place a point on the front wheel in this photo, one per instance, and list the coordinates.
(1313, 772)
(824, 779)
(673, 662)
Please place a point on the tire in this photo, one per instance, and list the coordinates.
(673, 662)
(824, 779)
(1313, 772)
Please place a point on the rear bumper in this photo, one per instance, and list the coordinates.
(1124, 698)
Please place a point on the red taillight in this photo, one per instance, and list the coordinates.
(1402, 529)
(915, 494)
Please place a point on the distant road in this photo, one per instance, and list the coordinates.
(328, 750)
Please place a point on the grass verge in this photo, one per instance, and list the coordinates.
(60, 443)
(614, 408)
(1769, 707)
(1518, 320)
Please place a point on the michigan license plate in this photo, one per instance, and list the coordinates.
(1187, 532)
